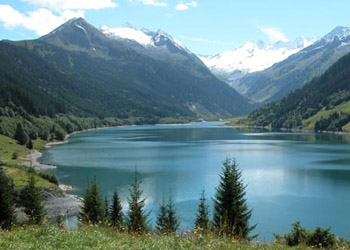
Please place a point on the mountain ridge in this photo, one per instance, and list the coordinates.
(117, 79)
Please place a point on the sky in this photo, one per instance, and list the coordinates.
(206, 27)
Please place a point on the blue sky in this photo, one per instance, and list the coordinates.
(204, 26)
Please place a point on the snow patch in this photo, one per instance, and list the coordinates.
(252, 57)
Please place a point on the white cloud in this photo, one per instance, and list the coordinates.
(41, 21)
(72, 4)
(274, 34)
(184, 6)
(150, 2)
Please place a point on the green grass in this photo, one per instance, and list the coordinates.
(98, 237)
(309, 124)
(39, 144)
(8, 146)
(20, 176)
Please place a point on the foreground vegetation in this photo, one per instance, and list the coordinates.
(100, 237)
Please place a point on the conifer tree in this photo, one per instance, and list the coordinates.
(162, 218)
(173, 221)
(92, 210)
(20, 135)
(231, 214)
(106, 207)
(32, 200)
(202, 218)
(116, 212)
(167, 222)
(7, 209)
(136, 218)
(30, 144)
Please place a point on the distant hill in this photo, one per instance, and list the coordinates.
(321, 105)
(80, 70)
(297, 70)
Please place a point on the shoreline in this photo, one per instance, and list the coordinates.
(290, 130)
(66, 204)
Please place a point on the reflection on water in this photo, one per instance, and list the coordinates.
(290, 176)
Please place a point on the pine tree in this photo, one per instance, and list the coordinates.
(231, 214)
(30, 144)
(202, 218)
(92, 210)
(32, 200)
(20, 135)
(116, 212)
(7, 209)
(106, 207)
(137, 218)
(173, 221)
(167, 222)
(162, 219)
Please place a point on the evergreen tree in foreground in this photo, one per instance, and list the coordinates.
(32, 200)
(173, 221)
(202, 218)
(106, 208)
(167, 222)
(116, 214)
(162, 218)
(136, 217)
(92, 210)
(7, 209)
(231, 214)
(20, 135)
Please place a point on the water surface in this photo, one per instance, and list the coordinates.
(290, 176)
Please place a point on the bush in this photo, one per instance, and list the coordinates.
(320, 238)
(15, 155)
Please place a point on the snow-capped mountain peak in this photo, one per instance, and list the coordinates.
(340, 32)
(252, 57)
(127, 32)
(143, 37)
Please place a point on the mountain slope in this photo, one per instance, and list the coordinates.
(323, 104)
(101, 76)
(252, 57)
(297, 70)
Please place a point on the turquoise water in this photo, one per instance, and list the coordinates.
(290, 176)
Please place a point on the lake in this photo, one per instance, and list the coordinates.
(290, 176)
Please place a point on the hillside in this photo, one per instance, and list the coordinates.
(323, 104)
(297, 70)
(90, 74)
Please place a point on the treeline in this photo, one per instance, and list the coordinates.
(325, 92)
(59, 125)
(17, 123)
(231, 213)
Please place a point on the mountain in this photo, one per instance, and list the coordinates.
(90, 73)
(294, 72)
(252, 57)
(321, 105)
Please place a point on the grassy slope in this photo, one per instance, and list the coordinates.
(308, 124)
(51, 237)
(8, 146)
(20, 174)
(344, 107)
